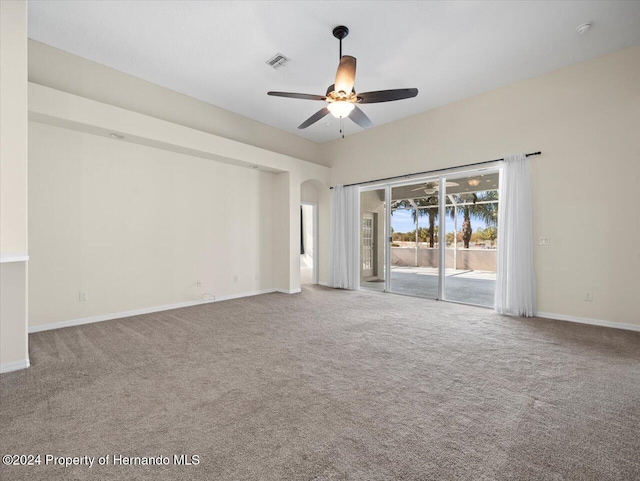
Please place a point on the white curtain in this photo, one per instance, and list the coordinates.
(345, 237)
(515, 286)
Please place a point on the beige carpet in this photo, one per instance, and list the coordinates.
(330, 385)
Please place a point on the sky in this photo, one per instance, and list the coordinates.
(402, 221)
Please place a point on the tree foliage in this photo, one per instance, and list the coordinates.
(487, 213)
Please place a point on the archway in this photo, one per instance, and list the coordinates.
(309, 241)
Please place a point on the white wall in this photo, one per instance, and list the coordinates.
(586, 121)
(64, 71)
(85, 125)
(308, 193)
(13, 122)
(137, 226)
(281, 228)
(13, 184)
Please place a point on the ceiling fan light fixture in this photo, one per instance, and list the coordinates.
(340, 109)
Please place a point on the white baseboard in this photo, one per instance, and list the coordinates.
(291, 291)
(243, 294)
(584, 320)
(146, 310)
(14, 366)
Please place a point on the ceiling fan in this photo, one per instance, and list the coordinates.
(432, 187)
(342, 97)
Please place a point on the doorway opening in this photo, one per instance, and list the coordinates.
(308, 243)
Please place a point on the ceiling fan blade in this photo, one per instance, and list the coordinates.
(386, 95)
(292, 95)
(314, 118)
(346, 75)
(360, 118)
(432, 187)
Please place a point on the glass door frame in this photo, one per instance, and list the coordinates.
(463, 174)
(442, 180)
(387, 231)
(402, 183)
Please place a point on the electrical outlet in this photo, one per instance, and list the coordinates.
(198, 283)
(588, 296)
(235, 278)
(83, 296)
(544, 241)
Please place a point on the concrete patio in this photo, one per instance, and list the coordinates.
(468, 286)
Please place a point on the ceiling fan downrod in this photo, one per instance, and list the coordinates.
(340, 32)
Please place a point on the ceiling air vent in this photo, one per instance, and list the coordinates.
(277, 61)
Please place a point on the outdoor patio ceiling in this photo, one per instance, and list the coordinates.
(486, 182)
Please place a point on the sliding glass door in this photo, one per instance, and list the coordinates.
(471, 233)
(441, 241)
(414, 239)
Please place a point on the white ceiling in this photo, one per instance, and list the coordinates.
(215, 51)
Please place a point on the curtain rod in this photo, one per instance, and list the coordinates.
(406, 176)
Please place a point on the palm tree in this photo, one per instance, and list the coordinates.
(432, 212)
(485, 212)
